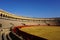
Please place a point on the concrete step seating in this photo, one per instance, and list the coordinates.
(11, 36)
(16, 34)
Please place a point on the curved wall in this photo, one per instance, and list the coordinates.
(8, 19)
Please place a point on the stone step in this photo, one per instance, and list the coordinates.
(2, 37)
(8, 37)
(14, 36)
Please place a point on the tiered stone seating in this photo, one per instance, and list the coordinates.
(11, 36)
(17, 34)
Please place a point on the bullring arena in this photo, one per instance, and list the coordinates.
(9, 23)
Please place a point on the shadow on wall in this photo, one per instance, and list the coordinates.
(23, 24)
(57, 21)
(27, 36)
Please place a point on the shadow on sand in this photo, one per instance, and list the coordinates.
(27, 36)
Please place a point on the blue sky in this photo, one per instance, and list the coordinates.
(32, 8)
